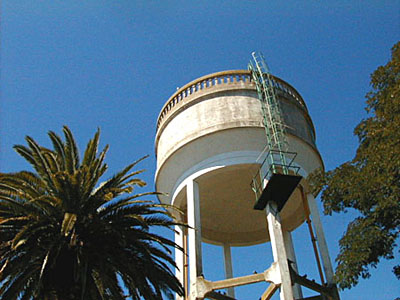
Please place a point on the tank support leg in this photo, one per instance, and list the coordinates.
(287, 239)
(194, 233)
(228, 268)
(179, 257)
(279, 251)
(322, 245)
(323, 248)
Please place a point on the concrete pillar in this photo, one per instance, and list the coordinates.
(323, 247)
(179, 257)
(287, 239)
(185, 261)
(279, 251)
(228, 268)
(194, 233)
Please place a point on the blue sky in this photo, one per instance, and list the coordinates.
(113, 64)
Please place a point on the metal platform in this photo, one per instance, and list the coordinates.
(278, 189)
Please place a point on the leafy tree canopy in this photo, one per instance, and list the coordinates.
(370, 182)
(64, 236)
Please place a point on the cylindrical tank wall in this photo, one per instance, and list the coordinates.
(211, 130)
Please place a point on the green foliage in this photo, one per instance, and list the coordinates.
(64, 236)
(370, 183)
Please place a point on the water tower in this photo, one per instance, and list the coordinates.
(233, 150)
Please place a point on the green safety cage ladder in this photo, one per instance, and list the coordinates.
(277, 177)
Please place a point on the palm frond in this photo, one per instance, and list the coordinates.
(25, 153)
(68, 223)
(41, 165)
(71, 151)
(110, 208)
(117, 179)
(51, 159)
(58, 146)
(91, 150)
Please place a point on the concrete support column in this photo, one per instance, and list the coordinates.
(287, 239)
(228, 268)
(279, 251)
(322, 245)
(185, 260)
(194, 233)
(180, 257)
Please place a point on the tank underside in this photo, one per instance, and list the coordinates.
(226, 207)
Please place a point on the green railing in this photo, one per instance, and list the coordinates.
(267, 169)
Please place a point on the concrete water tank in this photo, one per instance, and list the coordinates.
(211, 130)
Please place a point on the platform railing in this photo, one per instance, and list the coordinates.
(223, 78)
(267, 169)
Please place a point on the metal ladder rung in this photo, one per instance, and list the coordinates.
(272, 120)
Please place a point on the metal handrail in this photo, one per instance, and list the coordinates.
(258, 179)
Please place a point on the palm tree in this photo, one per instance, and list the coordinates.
(64, 236)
